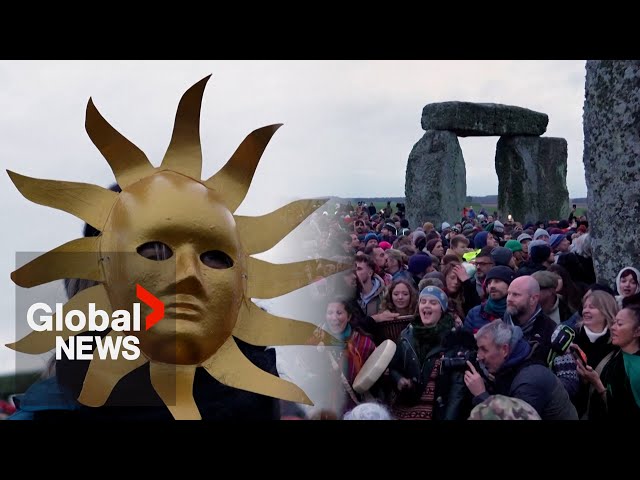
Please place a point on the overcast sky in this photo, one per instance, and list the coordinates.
(348, 129)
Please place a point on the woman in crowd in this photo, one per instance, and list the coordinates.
(435, 248)
(396, 265)
(571, 293)
(627, 283)
(617, 389)
(424, 388)
(594, 338)
(356, 347)
(401, 298)
(460, 289)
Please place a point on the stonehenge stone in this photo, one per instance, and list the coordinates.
(532, 178)
(611, 122)
(483, 119)
(436, 180)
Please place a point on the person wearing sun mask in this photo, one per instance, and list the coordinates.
(175, 236)
(424, 390)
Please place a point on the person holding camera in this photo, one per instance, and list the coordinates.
(507, 356)
(428, 384)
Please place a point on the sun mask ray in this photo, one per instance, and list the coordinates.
(257, 327)
(184, 154)
(103, 375)
(36, 343)
(128, 163)
(75, 259)
(259, 234)
(233, 180)
(230, 367)
(90, 203)
(174, 385)
(269, 280)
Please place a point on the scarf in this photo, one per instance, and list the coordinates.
(346, 333)
(632, 367)
(428, 337)
(594, 336)
(528, 326)
(349, 356)
(496, 307)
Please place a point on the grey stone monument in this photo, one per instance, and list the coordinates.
(532, 178)
(436, 180)
(611, 122)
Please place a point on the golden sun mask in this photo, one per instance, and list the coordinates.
(176, 235)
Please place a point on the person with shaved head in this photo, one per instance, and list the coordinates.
(524, 311)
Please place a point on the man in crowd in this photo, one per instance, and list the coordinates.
(506, 355)
(483, 263)
(497, 283)
(524, 311)
(552, 305)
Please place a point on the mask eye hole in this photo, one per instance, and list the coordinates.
(216, 259)
(156, 251)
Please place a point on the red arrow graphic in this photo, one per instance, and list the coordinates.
(157, 307)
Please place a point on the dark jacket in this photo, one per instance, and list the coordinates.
(133, 398)
(524, 377)
(530, 268)
(453, 400)
(595, 352)
(621, 404)
(478, 318)
(471, 297)
(538, 330)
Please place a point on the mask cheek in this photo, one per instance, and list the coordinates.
(123, 271)
(224, 291)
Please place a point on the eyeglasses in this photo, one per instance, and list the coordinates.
(480, 264)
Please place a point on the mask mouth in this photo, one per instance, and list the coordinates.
(184, 307)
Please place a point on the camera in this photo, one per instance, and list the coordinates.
(458, 362)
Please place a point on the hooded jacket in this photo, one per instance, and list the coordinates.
(524, 377)
(619, 276)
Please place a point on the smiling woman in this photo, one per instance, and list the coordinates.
(424, 390)
(617, 385)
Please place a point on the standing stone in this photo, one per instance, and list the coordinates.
(611, 122)
(483, 119)
(532, 178)
(436, 180)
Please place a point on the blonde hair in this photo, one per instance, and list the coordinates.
(603, 302)
(398, 256)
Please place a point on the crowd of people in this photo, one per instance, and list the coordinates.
(483, 312)
(490, 319)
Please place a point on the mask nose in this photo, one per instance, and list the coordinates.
(188, 266)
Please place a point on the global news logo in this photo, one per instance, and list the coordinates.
(111, 347)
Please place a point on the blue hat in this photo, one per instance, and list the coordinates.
(541, 232)
(480, 240)
(419, 262)
(436, 293)
(555, 239)
(370, 236)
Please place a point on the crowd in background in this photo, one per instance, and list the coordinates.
(484, 312)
